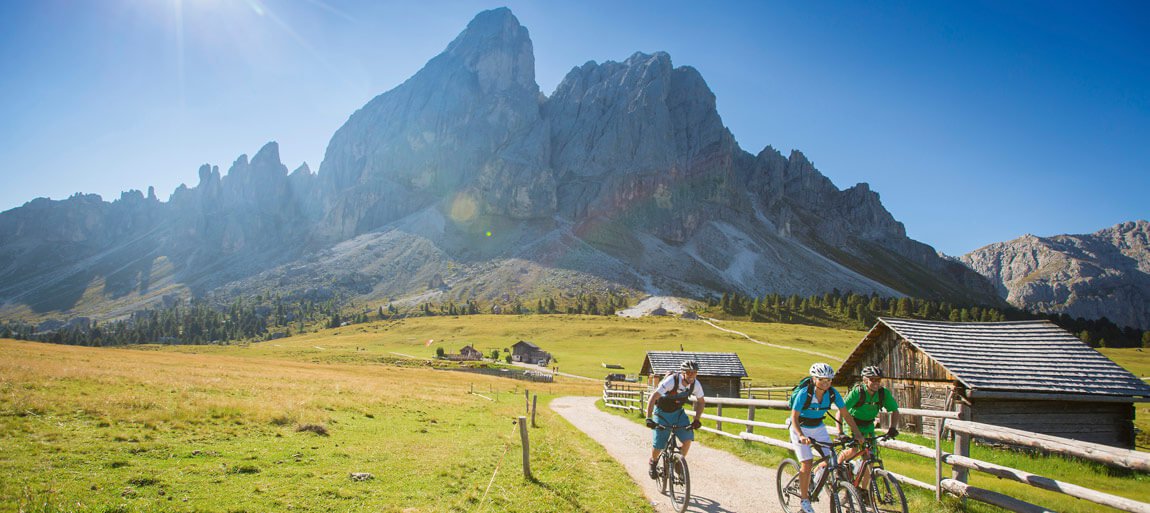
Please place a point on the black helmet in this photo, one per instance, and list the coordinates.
(689, 365)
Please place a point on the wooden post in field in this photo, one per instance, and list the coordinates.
(938, 460)
(526, 447)
(719, 423)
(526, 401)
(751, 417)
(534, 401)
(962, 442)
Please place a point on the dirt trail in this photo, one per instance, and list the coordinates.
(720, 482)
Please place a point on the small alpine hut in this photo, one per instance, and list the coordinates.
(719, 373)
(1028, 375)
(526, 352)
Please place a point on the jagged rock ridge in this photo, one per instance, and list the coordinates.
(468, 177)
(1103, 274)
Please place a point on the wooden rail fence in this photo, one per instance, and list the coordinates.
(635, 398)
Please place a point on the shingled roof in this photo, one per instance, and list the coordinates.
(1026, 356)
(726, 365)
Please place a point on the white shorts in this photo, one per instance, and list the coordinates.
(818, 432)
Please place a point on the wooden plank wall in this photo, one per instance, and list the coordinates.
(720, 386)
(898, 359)
(1103, 423)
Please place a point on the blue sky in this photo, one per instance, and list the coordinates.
(976, 122)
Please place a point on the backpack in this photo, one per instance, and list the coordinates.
(878, 397)
(667, 403)
(808, 384)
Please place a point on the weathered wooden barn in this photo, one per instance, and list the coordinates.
(526, 352)
(719, 373)
(1029, 375)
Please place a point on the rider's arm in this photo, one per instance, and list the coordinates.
(651, 403)
(699, 404)
(846, 415)
(795, 428)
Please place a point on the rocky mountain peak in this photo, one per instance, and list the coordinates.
(1106, 273)
(498, 50)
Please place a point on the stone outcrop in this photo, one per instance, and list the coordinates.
(467, 178)
(469, 122)
(1103, 274)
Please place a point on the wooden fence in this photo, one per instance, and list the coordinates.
(625, 396)
(635, 398)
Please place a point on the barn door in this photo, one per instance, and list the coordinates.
(933, 397)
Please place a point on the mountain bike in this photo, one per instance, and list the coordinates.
(674, 475)
(841, 496)
(884, 493)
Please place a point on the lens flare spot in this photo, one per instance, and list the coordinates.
(463, 208)
(488, 234)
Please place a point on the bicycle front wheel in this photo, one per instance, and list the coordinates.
(679, 483)
(843, 497)
(886, 494)
(788, 485)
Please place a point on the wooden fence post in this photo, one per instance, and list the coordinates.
(751, 417)
(719, 423)
(526, 401)
(938, 460)
(526, 447)
(962, 443)
(534, 401)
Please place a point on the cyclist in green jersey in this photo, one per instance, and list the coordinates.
(863, 403)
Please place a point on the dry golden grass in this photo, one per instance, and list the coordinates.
(89, 429)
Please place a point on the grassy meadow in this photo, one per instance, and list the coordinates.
(217, 428)
(580, 344)
(86, 429)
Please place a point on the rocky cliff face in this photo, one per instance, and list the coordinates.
(1103, 274)
(467, 176)
(469, 122)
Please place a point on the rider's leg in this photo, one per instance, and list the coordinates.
(805, 479)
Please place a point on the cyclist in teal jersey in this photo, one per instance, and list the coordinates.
(665, 408)
(809, 406)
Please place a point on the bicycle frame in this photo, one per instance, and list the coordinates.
(884, 494)
(831, 468)
(870, 459)
(673, 473)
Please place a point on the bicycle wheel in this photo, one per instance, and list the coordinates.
(843, 497)
(788, 485)
(680, 483)
(886, 494)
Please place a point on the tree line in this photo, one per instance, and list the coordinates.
(201, 322)
(860, 311)
(193, 322)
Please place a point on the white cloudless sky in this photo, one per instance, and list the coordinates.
(976, 122)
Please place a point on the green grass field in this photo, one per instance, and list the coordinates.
(215, 428)
(128, 430)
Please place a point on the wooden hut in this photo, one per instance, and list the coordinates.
(1029, 375)
(719, 373)
(526, 352)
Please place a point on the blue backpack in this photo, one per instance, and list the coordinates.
(809, 385)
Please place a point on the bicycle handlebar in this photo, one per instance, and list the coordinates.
(673, 428)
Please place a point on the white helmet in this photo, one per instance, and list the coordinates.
(822, 370)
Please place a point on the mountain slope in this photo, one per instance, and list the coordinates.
(465, 182)
(1103, 274)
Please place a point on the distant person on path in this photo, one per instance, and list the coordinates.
(863, 403)
(665, 408)
(808, 407)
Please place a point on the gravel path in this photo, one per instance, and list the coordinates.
(720, 482)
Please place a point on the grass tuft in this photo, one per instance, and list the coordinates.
(314, 428)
